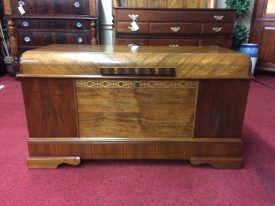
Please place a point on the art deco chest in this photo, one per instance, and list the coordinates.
(104, 102)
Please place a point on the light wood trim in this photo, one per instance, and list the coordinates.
(132, 140)
(7, 7)
(92, 5)
(51, 162)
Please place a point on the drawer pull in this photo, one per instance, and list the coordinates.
(79, 25)
(21, 3)
(25, 24)
(76, 4)
(133, 17)
(217, 29)
(79, 40)
(173, 45)
(27, 39)
(175, 29)
(219, 17)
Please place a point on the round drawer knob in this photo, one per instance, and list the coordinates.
(25, 23)
(79, 40)
(79, 25)
(21, 3)
(76, 4)
(27, 39)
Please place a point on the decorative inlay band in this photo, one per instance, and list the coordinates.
(135, 84)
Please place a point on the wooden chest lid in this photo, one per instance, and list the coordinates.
(88, 61)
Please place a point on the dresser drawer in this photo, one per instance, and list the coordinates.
(138, 42)
(220, 28)
(126, 27)
(52, 24)
(226, 43)
(76, 7)
(175, 28)
(172, 15)
(174, 42)
(27, 38)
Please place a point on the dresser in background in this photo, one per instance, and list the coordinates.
(160, 26)
(35, 23)
(263, 33)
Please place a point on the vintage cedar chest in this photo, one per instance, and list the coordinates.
(105, 102)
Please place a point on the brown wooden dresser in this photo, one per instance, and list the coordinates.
(35, 23)
(174, 27)
(263, 33)
(110, 102)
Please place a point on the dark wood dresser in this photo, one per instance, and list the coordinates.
(35, 23)
(263, 33)
(105, 102)
(173, 27)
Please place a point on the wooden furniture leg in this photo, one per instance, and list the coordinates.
(51, 162)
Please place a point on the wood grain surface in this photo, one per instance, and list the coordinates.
(189, 62)
(220, 153)
(221, 108)
(136, 109)
(136, 150)
(50, 107)
(92, 5)
(193, 113)
(7, 7)
(51, 162)
(164, 3)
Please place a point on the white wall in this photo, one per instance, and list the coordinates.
(105, 13)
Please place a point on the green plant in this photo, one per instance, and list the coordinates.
(240, 30)
(240, 35)
(241, 6)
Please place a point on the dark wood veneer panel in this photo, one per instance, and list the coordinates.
(140, 150)
(50, 107)
(221, 108)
